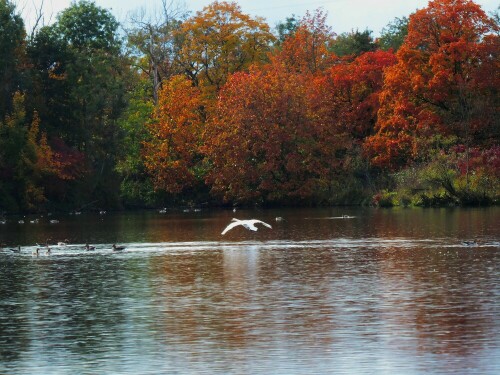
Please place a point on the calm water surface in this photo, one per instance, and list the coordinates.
(383, 292)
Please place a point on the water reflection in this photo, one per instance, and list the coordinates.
(385, 292)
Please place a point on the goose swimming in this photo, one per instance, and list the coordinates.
(248, 224)
(469, 243)
(16, 250)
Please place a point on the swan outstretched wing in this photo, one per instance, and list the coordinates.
(263, 223)
(230, 226)
(249, 224)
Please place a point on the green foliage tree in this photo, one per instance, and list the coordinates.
(394, 34)
(12, 54)
(81, 82)
(353, 43)
(87, 27)
(26, 160)
(136, 188)
(49, 91)
(286, 28)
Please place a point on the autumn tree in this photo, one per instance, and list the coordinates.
(307, 49)
(348, 94)
(346, 98)
(444, 84)
(27, 162)
(266, 145)
(442, 94)
(214, 44)
(219, 41)
(172, 154)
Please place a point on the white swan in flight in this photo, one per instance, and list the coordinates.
(249, 224)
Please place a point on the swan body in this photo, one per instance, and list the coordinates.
(248, 224)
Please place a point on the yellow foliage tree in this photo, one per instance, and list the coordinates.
(219, 41)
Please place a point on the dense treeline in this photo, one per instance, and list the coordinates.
(217, 108)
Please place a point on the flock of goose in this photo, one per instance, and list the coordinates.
(37, 220)
(249, 224)
(47, 249)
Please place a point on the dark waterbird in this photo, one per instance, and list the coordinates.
(16, 250)
(469, 243)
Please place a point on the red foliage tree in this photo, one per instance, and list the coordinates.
(265, 144)
(347, 96)
(444, 84)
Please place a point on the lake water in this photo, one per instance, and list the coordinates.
(380, 292)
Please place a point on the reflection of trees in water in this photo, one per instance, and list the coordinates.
(419, 299)
(426, 300)
(82, 304)
(231, 298)
(15, 337)
(241, 297)
(72, 305)
(432, 223)
(442, 297)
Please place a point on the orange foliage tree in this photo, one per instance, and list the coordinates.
(307, 49)
(172, 155)
(445, 84)
(265, 144)
(219, 41)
